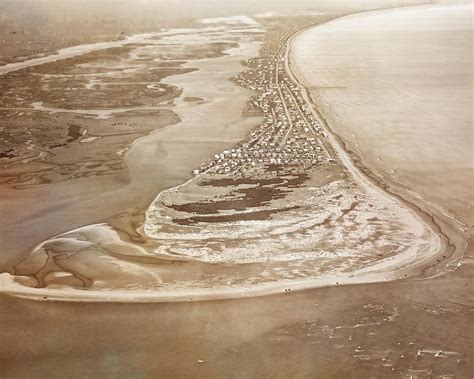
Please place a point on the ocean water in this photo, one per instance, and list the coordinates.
(396, 85)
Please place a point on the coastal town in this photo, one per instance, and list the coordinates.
(288, 141)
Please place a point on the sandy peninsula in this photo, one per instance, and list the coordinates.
(285, 209)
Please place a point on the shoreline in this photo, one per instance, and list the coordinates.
(411, 268)
(455, 233)
(361, 172)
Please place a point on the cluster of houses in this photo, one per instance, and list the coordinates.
(289, 138)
